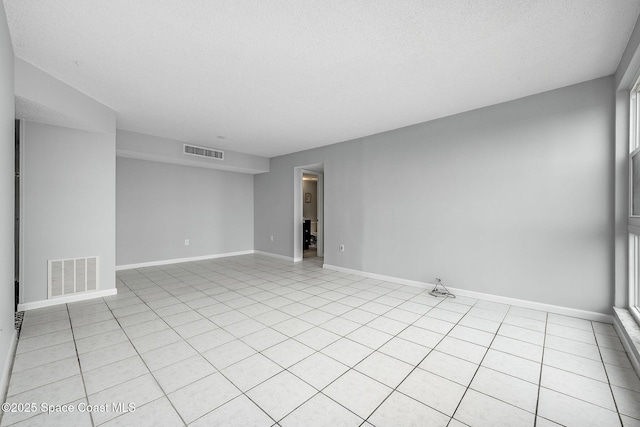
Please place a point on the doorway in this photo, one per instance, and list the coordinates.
(308, 212)
(310, 215)
(16, 223)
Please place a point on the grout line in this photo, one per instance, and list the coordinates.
(613, 396)
(544, 341)
(84, 386)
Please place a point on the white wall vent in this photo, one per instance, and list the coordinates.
(193, 150)
(72, 276)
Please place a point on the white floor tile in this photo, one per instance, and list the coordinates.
(318, 317)
(518, 348)
(421, 336)
(630, 422)
(156, 413)
(57, 393)
(182, 373)
(228, 354)
(400, 410)
(403, 316)
(615, 357)
(281, 394)
(387, 325)
(155, 340)
(59, 419)
(609, 341)
(210, 339)
(623, 377)
(522, 334)
(486, 314)
(472, 335)
(358, 392)
(574, 347)
(477, 409)
(573, 322)
(481, 324)
(463, 349)
(251, 371)
(33, 359)
(346, 351)
(292, 327)
(433, 324)
(239, 412)
(369, 337)
(386, 369)
(513, 365)
(43, 341)
(264, 338)
(244, 327)
(433, 390)
(449, 367)
(404, 350)
(320, 411)
(569, 411)
(577, 386)
(525, 322)
(587, 337)
(137, 391)
(43, 374)
(504, 387)
(318, 370)
(197, 399)
(91, 329)
(628, 401)
(576, 364)
(113, 374)
(288, 352)
(168, 355)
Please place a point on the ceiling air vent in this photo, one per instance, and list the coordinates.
(203, 152)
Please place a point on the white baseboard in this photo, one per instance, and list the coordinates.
(8, 365)
(567, 311)
(282, 257)
(179, 260)
(64, 300)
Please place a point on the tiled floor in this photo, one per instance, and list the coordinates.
(255, 341)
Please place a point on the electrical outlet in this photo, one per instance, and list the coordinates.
(272, 238)
(341, 248)
(186, 242)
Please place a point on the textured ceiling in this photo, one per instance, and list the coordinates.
(274, 77)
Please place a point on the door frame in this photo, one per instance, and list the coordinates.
(298, 203)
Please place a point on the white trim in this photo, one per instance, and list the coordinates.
(180, 260)
(64, 300)
(567, 311)
(282, 257)
(8, 366)
(626, 326)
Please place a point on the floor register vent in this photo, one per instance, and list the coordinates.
(72, 276)
(203, 152)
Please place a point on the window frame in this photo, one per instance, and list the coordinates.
(634, 220)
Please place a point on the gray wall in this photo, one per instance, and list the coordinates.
(159, 205)
(140, 146)
(6, 194)
(68, 202)
(512, 199)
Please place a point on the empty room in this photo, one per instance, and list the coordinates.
(320, 213)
